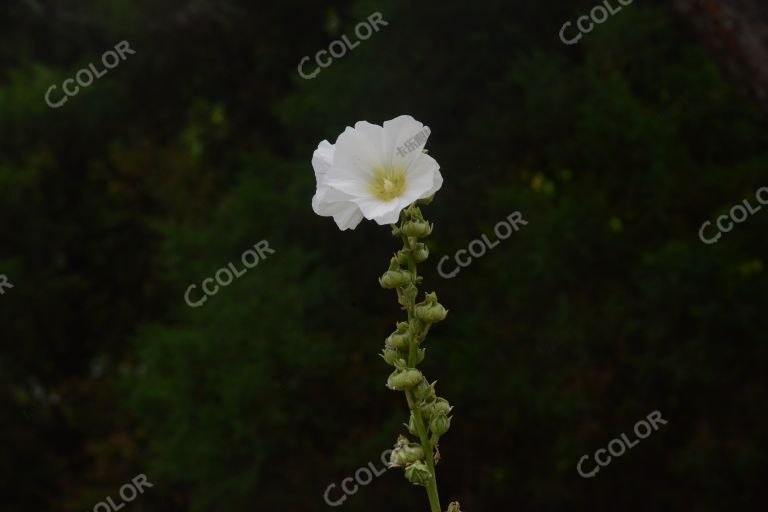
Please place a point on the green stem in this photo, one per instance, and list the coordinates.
(421, 429)
(426, 445)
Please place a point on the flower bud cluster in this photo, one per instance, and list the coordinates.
(397, 346)
(434, 411)
(410, 456)
(430, 415)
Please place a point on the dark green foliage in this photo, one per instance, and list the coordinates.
(604, 307)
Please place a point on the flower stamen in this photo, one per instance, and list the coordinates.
(388, 184)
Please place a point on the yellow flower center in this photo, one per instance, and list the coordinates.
(388, 184)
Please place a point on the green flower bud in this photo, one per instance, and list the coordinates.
(395, 279)
(430, 311)
(416, 228)
(425, 391)
(390, 355)
(414, 452)
(420, 252)
(431, 314)
(442, 406)
(432, 406)
(404, 378)
(401, 338)
(420, 353)
(402, 257)
(399, 341)
(427, 408)
(397, 459)
(418, 473)
(404, 454)
(454, 507)
(440, 423)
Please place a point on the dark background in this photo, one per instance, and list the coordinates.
(605, 307)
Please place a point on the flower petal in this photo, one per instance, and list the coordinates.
(437, 183)
(382, 212)
(352, 186)
(359, 150)
(349, 217)
(404, 138)
(423, 178)
(322, 159)
(328, 201)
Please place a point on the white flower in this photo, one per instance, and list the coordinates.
(369, 173)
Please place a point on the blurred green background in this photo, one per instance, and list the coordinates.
(605, 307)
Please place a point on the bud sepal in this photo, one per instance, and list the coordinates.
(420, 252)
(400, 339)
(404, 378)
(418, 473)
(395, 279)
(405, 453)
(439, 424)
(429, 310)
(416, 229)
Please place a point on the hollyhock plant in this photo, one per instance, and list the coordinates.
(367, 174)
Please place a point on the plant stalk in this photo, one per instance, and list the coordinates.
(426, 444)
